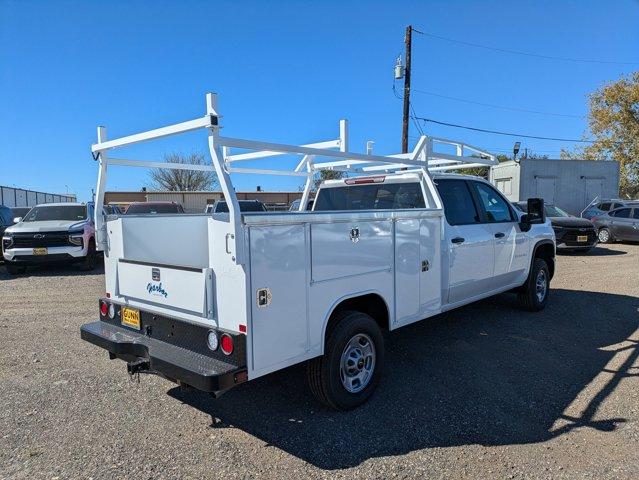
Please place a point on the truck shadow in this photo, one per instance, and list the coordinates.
(597, 251)
(484, 374)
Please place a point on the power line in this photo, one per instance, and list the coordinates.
(514, 109)
(529, 54)
(496, 132)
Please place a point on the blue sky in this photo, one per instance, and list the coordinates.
(287, 71)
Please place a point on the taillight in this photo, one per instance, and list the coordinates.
(104, 308)
(227, 344)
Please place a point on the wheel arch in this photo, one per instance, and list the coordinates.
(371, 303)
(545, 249)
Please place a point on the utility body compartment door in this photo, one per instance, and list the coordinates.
(278, 295)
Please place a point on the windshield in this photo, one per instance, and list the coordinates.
(153, 208)
(552, 211)
(56, 212)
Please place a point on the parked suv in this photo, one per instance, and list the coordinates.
(601, 207)
(54, 232)
(571, 233)
(619, 224)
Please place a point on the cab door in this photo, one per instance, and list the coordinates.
(468, 240)
(510, 243)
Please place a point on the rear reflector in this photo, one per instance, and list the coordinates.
(242, 328)
(227, 344)
(362, 180)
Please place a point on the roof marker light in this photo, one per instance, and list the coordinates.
(364, 180)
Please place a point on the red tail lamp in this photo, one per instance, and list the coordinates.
(104, 308)
(227, 344)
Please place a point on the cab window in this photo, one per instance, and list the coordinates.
(604, 206)
(495, 207)
(459, 206)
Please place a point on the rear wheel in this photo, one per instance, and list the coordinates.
(534, 293)
(349, 371)
(604, 235)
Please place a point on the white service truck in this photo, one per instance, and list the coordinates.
(214, 300)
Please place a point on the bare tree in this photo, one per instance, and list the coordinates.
(184, 180)
(327, 175)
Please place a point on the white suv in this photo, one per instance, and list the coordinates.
(50, 233)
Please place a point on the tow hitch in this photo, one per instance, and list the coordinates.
(141, 365)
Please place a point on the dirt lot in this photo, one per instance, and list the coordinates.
(485, 391)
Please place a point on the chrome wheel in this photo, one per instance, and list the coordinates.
(541, 286)
(604, 235)
(357, 363)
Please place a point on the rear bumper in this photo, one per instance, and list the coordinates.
(145, 354)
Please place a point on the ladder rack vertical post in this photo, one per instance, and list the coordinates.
(99, 220)
(217, 159)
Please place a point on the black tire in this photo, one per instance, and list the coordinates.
(604, 235)
(88, 263)
(529, 297)
(324, 373)
(15, 269)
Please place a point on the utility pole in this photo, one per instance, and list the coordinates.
(407, 41)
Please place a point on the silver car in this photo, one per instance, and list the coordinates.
(618, 225)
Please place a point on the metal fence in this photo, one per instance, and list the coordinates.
(19, 197)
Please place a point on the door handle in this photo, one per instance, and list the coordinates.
(500, 235)
(458, 240)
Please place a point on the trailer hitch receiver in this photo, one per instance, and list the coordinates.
(141, 365)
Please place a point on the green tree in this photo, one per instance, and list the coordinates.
(613, 121)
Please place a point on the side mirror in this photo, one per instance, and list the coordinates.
(536, 214)
(17, 219)
(536, 211)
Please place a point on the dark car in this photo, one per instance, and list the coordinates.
(6, 220)
(618, 225)
(220, 206)
(571, 233)
(153, 208)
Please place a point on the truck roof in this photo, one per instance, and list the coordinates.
(394, 178)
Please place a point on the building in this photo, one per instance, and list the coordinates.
(196, 202)
(569, 184)
(19, 197)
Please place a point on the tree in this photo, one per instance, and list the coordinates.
(328, 175)
(184, 180)
(613, 121)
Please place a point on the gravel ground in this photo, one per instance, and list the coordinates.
(484, 391)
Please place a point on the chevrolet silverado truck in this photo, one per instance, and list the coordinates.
(214, 300)
(51, 233)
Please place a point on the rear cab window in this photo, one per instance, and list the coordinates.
(370, 197)
(459, 206)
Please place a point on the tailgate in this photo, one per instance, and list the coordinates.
(184, 288)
